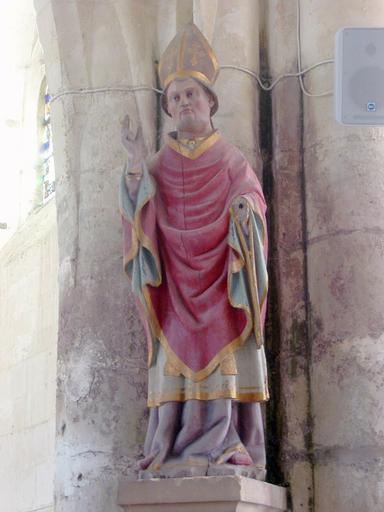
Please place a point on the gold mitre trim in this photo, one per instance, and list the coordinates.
(186, 74)
(188, 55)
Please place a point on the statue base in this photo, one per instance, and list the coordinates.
(201, 467)
(202, 494)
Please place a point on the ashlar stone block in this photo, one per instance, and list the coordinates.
(201, 494)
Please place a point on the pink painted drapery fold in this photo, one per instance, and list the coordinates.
(187, 223)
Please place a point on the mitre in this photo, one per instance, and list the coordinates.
(189, 55)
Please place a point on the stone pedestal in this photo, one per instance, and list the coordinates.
(201, 494)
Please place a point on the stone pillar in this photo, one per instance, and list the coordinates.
(236, 41)
(288, 338)
(101, 395)
(101, 411)
(344, 194)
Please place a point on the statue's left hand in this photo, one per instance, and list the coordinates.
(241, 209)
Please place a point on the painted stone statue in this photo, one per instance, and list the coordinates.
(195, 247)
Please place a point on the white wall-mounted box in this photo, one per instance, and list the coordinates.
(359, 76)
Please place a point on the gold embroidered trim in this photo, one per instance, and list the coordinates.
(138, 236)
(177, 362)
(237, 265)
(191, 143)
(229, 452)
(180, 55)
(256, 210)
(251, 273)
(183, 395)
(146, 241)
(184, 74)
(170, 370)
(194, 153)
(187, 52)
(228, 365)
(132, 251)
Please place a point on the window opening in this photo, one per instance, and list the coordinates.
(46, 151)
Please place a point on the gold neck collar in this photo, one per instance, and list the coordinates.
(192, 148)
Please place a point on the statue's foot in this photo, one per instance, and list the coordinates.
(175, 467)
(249, 471)
(146, 462)
(240, 459)
(154, 461)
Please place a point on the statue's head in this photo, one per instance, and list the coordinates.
(195, 89)
(188, 65)
(190, 104)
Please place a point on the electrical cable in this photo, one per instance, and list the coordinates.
(300, 74)
(279, 78)
(133, 88)
(243, 69)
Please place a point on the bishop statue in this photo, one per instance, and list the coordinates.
(195, 250)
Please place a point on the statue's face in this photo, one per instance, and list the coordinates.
(189, 106)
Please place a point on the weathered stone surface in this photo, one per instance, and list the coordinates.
(289, 341)
(346, 292)
(101, 349)
(345, 269)
(331, 375)
(336, 476)
(256, 472)
(236, 42)
(350, 374)
(211, 494)
(101, 416)
(28, 334)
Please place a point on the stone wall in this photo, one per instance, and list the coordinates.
(344, 198)
(324, 198)
(28, 334)
(288, 337)
(22, 67)
(101, 407)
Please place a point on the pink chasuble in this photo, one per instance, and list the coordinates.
(188, 221)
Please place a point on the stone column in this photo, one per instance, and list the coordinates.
(288, 343)
(235, 39)
(344, 193)
(101, 394)
(101, 412)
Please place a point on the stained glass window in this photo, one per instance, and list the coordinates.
(46, 152)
